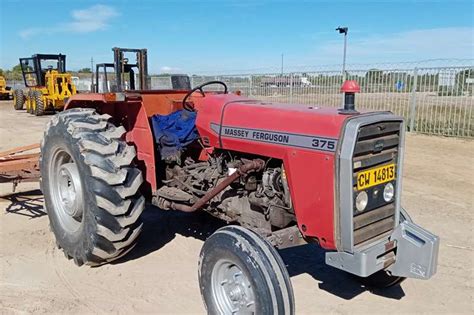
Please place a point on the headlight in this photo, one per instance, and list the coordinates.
(361, 201)
(388, 192)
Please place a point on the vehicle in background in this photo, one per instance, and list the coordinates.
(47, 84)
(5, 91)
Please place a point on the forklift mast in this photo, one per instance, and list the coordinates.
(121, 66)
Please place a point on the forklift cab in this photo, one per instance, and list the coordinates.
(34, 69)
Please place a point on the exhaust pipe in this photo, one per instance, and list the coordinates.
(349, 88)
(252, 165)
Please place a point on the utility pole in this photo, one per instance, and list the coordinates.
(343, 30)
(282, 65)
(92, 74)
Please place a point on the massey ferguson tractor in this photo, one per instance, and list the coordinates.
(280, 175)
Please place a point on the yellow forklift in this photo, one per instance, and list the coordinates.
(48, 85)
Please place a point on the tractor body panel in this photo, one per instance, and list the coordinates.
(304, 137)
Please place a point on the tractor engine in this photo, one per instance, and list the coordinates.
(259, 199)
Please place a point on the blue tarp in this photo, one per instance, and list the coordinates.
(173, 132)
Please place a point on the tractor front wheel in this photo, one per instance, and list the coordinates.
(90, 187)
(18, 99)
(241, 273)
(37, 99)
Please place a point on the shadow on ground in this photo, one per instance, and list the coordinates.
(310, 259)
(28, 203)
(161, 227)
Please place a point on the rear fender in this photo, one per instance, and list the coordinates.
(131, 114)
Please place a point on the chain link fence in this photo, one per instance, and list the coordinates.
(434, 100)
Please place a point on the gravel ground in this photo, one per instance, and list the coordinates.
(160, 274)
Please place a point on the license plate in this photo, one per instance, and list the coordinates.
(375, 176)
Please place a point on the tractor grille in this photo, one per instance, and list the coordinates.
(377, 145)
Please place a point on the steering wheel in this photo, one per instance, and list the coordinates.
(190, 108)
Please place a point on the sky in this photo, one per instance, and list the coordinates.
(229, 36)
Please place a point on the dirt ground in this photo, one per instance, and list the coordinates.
(160, 274)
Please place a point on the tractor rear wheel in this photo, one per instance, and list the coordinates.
(383, 279)
(241, 273)
(37, 98)
(90, 187)
(18, 99)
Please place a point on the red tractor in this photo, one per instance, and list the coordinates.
(280, 175)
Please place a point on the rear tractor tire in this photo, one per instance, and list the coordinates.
(383, 279)
(18, 99)
(90, 187)
(37, 100)
(241, 273)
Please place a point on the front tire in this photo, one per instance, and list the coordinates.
(37, 98)
(90, 187)
(18, 99)
(241, 273)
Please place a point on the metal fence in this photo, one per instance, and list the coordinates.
(433, 100)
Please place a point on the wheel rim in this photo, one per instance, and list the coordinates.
(232, 289)
(66, 190)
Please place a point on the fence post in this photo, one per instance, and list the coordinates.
(412, 114)
(291, 88)
(250, 85)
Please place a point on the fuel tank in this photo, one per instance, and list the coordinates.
(305, 137)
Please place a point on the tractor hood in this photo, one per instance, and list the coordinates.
(230, 122)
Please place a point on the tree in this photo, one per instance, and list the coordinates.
(85, 70)
(1, 71)
(17, 68)
(14, 73)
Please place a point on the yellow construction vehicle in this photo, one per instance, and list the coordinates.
(5, 91)
(48, 85)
